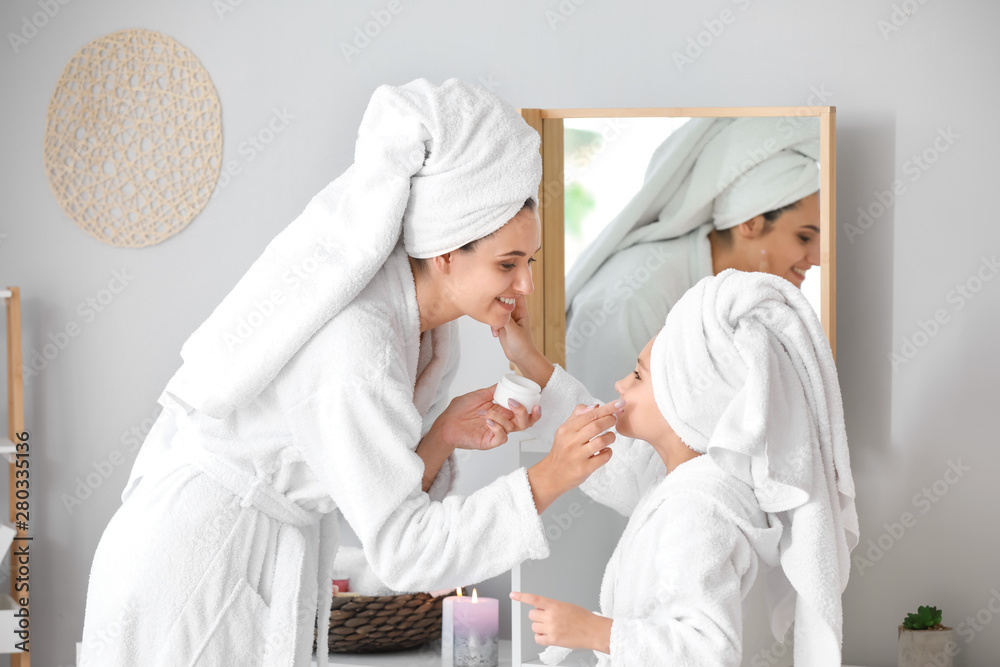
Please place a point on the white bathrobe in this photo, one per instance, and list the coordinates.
(222, 551)
(616, 312)
(676, 582)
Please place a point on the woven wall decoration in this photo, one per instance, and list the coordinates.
(133, 138)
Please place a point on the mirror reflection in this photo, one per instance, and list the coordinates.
(652, 205)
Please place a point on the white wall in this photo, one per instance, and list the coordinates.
(893, 92)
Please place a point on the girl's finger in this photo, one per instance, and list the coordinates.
(526, 598)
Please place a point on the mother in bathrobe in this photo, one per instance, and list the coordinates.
(317, 389)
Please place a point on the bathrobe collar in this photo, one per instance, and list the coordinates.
(426, 361)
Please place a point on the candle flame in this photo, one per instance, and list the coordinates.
(475, 596)
(458, 591)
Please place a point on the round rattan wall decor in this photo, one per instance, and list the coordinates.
(133, 138)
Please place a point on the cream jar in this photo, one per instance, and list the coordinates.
(521, 389)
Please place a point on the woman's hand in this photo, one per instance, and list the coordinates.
(580, 446)
(568, 625)
(515, 337)
(474, 421)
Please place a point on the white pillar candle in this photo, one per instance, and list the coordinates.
(469, 631)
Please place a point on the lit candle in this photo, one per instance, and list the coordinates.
(469, 631)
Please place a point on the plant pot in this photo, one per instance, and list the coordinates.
(920, 648)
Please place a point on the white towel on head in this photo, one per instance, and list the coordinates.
(742, 371)
(720, 170)
(472, 162)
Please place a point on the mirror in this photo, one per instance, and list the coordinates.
(630, 201)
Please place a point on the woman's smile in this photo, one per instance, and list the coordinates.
(507, 303)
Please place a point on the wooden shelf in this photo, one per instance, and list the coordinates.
(15, 421)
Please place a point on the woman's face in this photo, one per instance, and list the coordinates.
(642, 418)
(484, 283)
(789, 247)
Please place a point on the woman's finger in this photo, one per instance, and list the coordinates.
(599, 459)
(499, 434)
(594, 414)
(536, 615)
(602, 441)
(536, 414)
(521, 416)
(596, 428)
(502, 416)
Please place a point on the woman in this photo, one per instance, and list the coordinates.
(733, 454)
(719, 193)
(316, 390)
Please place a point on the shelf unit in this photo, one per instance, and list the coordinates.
(15, 422)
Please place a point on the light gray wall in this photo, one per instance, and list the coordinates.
(894, 91)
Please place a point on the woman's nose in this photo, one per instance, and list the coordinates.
(814, 256)
(524, 284)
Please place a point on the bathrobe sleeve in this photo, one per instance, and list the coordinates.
(690, 612)
(448, 474)
(348, 400)
(634, 468)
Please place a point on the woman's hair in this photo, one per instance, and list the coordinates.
(529, 203)
(726, 235)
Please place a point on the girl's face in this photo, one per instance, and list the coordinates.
(642, 418)
(789, 247)
(484, 283)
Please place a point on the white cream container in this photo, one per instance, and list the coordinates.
(521, 389)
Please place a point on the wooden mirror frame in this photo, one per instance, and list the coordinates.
(547, 305)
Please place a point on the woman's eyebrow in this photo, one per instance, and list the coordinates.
(812, 227)
(521, 253)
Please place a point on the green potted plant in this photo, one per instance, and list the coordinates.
(923, 640)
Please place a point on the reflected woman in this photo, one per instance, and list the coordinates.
(719, 193)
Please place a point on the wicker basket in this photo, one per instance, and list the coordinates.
(366, 624)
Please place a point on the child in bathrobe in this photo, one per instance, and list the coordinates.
(664, 602)
(698, 532)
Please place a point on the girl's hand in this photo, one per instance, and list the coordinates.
(515, 337)
(580, 447)
(568, 625)
(473, 421)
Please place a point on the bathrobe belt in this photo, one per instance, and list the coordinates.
(255, 491)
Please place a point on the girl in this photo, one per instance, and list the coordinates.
(733, 454)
